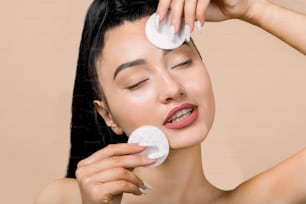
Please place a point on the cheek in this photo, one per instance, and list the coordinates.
(203, 92)
(132, 110)
(199, 81)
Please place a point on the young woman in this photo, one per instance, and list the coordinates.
(123, 82)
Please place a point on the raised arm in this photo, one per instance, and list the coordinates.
(287, 25)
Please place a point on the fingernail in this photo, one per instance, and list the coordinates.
(172, 33)
(147, 185)
(143, 191)
(157, 18)
(199, 26)
(187, 32)
(143, 144)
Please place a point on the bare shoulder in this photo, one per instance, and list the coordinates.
(284, 183)
(61, 191)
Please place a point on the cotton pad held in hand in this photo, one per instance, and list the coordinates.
(155, 141)
(162, 34)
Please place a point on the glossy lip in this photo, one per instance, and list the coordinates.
(186, 121)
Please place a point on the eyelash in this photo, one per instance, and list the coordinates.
(187, 62)
(136, 85)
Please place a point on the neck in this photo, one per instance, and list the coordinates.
(181, 166)
(179, 179)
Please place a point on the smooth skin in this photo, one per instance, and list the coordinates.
(107, 174)
(262, 13)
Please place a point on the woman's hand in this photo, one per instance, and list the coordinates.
(287, 25)
(204, 10)
(107, 174)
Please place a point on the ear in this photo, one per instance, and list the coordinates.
(103, 110)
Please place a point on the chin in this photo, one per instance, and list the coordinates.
(188, 139)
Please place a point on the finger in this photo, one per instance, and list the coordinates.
(127, 161)
(214, 14)
(162, 9)
(117, 187)
(190, 12)
(110, 189)
(114, 174)
(201, 11)
(177, 7)
(112, 150)
(107, 192)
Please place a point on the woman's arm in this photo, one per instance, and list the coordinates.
(287, 25)
(284, 183)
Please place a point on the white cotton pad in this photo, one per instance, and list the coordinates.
(161, 35)
(155, 140)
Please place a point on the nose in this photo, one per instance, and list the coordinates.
(170, 89)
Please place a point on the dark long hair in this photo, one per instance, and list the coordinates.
(89, 132)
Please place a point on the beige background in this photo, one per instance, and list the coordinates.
(259, 86)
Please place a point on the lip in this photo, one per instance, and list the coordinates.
(184, 122)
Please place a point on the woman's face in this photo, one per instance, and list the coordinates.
(145, 85)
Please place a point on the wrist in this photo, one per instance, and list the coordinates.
(256, 11)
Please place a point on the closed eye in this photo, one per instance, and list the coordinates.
(182, 64)
(136, 85)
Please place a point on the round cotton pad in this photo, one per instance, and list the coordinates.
(155, 141)
(161, 35)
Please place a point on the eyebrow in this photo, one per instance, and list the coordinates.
(128, 65)
(137, 62)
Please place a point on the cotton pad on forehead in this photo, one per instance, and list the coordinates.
(161, 35)
(154, 139)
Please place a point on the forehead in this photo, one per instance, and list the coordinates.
(127, 41)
